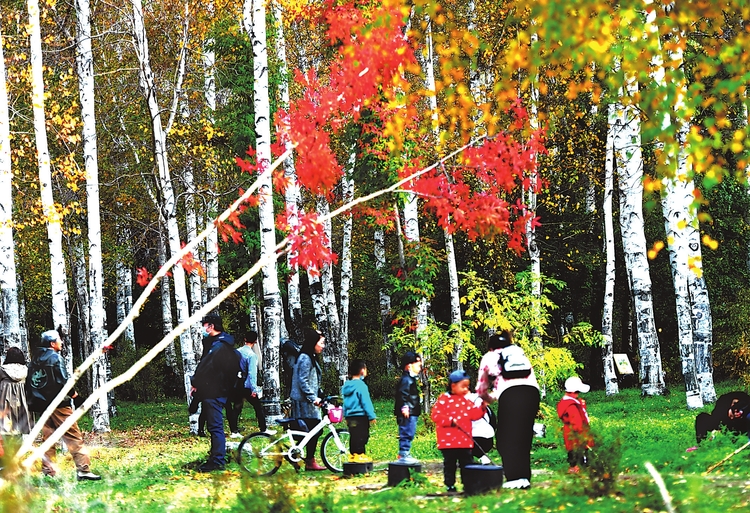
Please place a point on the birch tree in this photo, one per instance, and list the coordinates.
(9, 314)
(168, 205)
(96, 310)
(254, 20)
(611, 386)
(52, 215)
(627, 147)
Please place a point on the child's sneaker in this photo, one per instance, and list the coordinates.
(363, 458)
(452, 489)
(485, 460)
(354, 458)
(407, 459)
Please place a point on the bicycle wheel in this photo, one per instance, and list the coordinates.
(333, 457)
(251, 457)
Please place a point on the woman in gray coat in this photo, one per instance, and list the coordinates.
(305, 389)
(15, 412)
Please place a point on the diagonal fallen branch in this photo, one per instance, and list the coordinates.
(712, 467)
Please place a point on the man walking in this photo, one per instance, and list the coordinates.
(47, 376)
(212, 383)
(250, 392)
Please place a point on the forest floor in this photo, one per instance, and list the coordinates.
(148, 464)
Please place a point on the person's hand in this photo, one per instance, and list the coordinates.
(453, 422)
(317, 401)
(405, 411)
(734, 414)
(373, 422)
(254, 394)
(192, 391)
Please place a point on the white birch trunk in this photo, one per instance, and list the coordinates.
(292, 193)
(97, 313)
(168, 206)
(333, 342)
(167, 320)
(346, 268)
(450, 253)
(53, 218)
(272, 306)
(627, 143)
(125, 299)
(194, 279)
(212, 242)
(81, 294)
(411, 232)
(611, 386)
(9, 312)
(385, 298)
(680, 219)
(702, 324)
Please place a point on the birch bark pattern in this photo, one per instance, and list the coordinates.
(53, 218)
(168, 207)
(9, 311)
(272, 307)
(627, 143)
(347, 185)
(611, 385)
(97, 311)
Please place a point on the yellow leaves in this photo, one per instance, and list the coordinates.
(709, 242)
(655, 249)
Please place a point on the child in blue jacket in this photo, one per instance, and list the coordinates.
(358, 411)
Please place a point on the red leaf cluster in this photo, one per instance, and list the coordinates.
(142, 276)
(190, 264)
(309, 244)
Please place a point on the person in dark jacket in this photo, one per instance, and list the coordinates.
(358, 411)
(306, 390)
(408, 405)
(212, 383)
(47, 376)
(731, 410)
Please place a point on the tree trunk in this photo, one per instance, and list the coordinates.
(53, 218)
(334, 344)
(346, 268)
(292, 193)
(9, 310)
(168, 207)
(194, 279)
(170, 354)
(627, 142)
(124, 289)
(385, 299)
(97, 313)
(611, 386)
(272, 306)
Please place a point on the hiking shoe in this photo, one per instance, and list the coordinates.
(235, 435)
(452, 489)
(210, 467)
(87, 476)
(363, 458)
(574, 469)
(269, 431)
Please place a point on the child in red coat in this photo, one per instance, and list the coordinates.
(572, 411)
(452, 414)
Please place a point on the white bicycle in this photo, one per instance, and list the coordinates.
(261, 454)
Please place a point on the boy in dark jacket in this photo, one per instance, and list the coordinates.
(408, 407)
(358, 411)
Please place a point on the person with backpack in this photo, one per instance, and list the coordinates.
(249, 390)
(212, 383)
(506, 377)
(46, 377)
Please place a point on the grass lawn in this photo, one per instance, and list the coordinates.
(147, 462)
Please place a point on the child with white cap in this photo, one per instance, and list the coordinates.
(572, 411)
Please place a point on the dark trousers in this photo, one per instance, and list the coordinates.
(453, 458)
(215, 427)
(578, 457)
(482, 447)
(234, 408)
(359, 433)
(516, 411)
(313, 443)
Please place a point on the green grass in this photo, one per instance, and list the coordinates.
(147, 462)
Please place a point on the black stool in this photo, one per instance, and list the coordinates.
(398, 472)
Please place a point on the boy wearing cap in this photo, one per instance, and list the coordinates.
(572, 411)
(407, 406)
(452, 414)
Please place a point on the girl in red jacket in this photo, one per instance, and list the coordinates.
(452, 414)
(572, 411)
